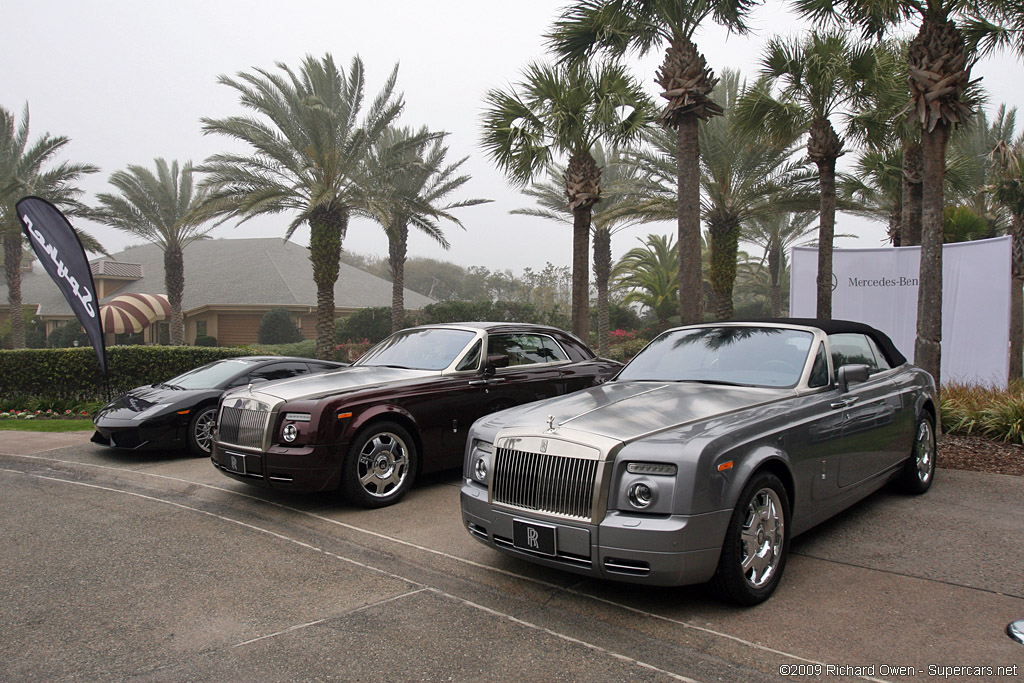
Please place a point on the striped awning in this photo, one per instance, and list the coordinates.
(133, 312)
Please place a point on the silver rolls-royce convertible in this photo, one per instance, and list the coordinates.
(706, 454)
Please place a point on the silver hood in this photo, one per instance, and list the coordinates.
(624, 411)
(313, 387)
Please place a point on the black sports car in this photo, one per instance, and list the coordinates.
(181, 411)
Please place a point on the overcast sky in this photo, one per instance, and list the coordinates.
(128, 81)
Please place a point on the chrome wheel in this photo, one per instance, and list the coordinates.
(924, 451)
(201, 431)
(383, 464)
(762, 538)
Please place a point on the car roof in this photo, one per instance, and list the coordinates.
(491, 326)
(892, 354)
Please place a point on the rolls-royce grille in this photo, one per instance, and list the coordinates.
(554, 484)
(242, 426)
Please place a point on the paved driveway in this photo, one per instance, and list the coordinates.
(156, 567)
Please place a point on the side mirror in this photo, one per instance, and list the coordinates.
(851, 374)
(495, 362)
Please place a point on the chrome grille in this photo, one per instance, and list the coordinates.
(243, 427)
(554, 484)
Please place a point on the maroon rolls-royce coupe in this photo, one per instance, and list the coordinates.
(401, 410)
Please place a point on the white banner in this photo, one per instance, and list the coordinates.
(879, 287)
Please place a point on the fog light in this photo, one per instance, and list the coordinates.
(641, 495)
(290, 433)
(480, 470)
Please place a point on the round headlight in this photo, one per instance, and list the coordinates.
(480, 469)
(290, 433)
(640, 495)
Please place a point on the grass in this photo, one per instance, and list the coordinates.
(995, 413)
(47, 425)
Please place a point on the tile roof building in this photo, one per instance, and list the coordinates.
(230, 284)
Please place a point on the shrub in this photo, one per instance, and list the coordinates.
(205, 340)
(625, 350)
(66, 336)
(348, 353)
(55, 377)
(277, 327)
(305, 348)
(987, 411)
(372, 324)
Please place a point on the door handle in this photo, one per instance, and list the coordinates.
(843, 403)
(486, 382)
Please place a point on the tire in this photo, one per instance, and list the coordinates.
(200, 434)
(380, 466)
(756, 543)
(919, 471)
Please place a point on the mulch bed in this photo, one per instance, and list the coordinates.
(978, 454)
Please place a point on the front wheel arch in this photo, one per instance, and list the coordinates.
(359, 484)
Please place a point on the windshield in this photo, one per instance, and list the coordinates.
(419, 349)
(746, 356)
(212, 376)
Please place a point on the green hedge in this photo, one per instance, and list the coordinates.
(74, 374)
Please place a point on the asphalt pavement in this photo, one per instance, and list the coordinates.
(157, 567)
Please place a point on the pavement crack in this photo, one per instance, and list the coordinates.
(910, 576)
(342, 615)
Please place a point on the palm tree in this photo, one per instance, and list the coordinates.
(1008, 191)
(878, 189)
(819, 75)
(744, 177)
(607, 220)
(27, 170)
(939, 61)
(649, 273)
(416, 198)
(618, 26)
(777, 234)
(310, 143)
(163, 209)
(565, 110)
(970, 155)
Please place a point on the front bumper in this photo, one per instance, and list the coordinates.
(303, 470)
(166, 433)
(654, 550)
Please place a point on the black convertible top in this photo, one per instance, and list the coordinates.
(892, 354)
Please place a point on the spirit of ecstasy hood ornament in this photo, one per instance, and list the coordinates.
(551, 423)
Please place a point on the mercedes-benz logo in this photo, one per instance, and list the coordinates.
(835, 282)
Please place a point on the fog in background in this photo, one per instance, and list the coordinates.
(129, 81)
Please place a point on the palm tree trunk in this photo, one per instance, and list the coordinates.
(581, 272)
(328, 225)
(912, 216)
(774, 268)
(691, 289)
(398, 247)
(928, 347)
(725, 237)
(826, 235)
(174, 283)
(1017, 301)
(12, 271)
(602, 273)
(910, 220)
(895, 229)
